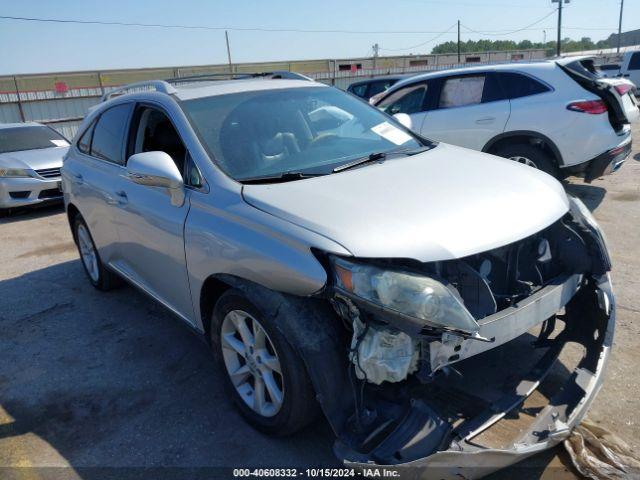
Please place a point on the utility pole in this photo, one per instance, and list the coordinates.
(226, 36)
(544, 37)
(620, 25)
(559, 46)
(376, 52)
(458, 41)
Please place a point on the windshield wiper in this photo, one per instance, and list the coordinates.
(379, 156)
(374, 157)
(280, 178)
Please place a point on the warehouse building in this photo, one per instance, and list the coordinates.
(627, 39)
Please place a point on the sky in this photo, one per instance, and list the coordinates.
(396, 25)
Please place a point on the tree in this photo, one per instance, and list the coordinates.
(568, 45)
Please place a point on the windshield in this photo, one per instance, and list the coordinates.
(16, 139)
(309, 130)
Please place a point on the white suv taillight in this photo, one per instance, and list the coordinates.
(623, 89)
(592, 107)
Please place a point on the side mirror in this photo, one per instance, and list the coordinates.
(404, 119)
(157, 169)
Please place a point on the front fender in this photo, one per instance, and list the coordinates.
(224, 235)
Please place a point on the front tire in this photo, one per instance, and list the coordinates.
(530, 156)
(263, 374)
(98, 275)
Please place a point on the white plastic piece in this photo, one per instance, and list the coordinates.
(599, 454)
(382, 354)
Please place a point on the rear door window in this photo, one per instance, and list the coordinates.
(84, 144)
(468, 90)
(409, 99)
(517, 85)
(462, 91)
(109, 134)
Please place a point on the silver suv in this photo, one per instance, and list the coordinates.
(338, 262)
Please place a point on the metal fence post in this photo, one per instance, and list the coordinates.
(100, 83)
(20, 110)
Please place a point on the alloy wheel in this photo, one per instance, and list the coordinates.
(524, 161)
(88, 253)
(252, 363)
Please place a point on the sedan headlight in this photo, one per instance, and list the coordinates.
(406, 293)
(13, 172)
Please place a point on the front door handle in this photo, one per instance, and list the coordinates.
(485, 120)
(78, 178)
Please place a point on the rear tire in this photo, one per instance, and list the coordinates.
(531, 156)
(99, 276)
(275, 402)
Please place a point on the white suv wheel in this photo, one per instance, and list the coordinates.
(524, 161)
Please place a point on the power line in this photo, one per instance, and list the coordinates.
(469, 4)
(512, 31)
(206, 27)
(550, 27)
(276, 30)
(433, 39)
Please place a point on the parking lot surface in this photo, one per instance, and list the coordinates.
(111, 382)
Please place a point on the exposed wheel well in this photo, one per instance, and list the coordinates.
(530, 139)
(212, 290)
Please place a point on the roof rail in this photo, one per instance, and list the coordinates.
(207, 77)
(158, 85)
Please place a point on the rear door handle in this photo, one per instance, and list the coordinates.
(122, 197)
(78, 178)
(485, 120)
(118, 198)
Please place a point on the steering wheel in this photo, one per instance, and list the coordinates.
(322, 138)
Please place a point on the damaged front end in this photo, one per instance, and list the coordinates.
(445, 376)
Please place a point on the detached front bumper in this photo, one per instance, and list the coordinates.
(19, 192)
(468, 448)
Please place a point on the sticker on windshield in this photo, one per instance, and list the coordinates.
(391, 133)
(60, 143)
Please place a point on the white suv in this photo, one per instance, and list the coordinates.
(559, 116)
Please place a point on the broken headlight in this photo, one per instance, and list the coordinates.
(582, 214)
(405, 293)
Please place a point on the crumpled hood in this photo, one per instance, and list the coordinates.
(34, 159)
(446, 203)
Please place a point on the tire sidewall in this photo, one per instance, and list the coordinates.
(100, 283)
(276, 425)
(537, 156)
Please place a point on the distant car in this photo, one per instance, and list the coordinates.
(562, 116)
(610, 70)
(374, 86)
(630, 67)
(30, 160)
